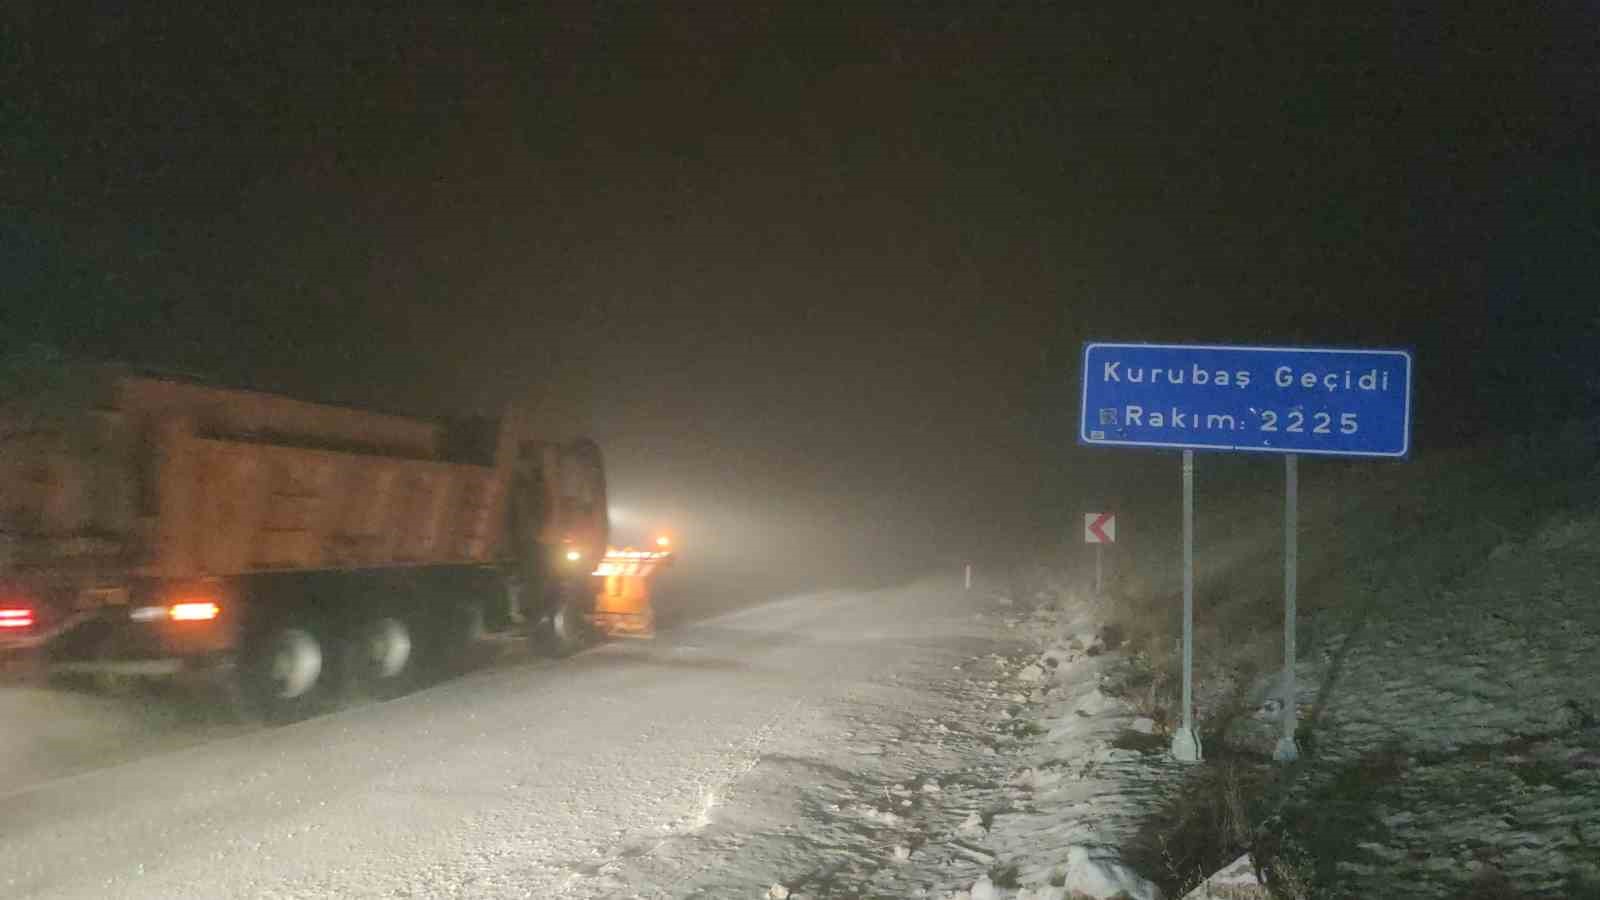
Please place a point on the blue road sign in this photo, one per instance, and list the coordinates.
(1264, 399)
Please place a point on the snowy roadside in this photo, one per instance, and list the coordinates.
(1080, 791)
(1448, 707)
(989, 768)
(1446, 699)
(1450, 741)
(1456, 742)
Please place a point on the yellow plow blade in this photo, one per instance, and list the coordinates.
(622, 604)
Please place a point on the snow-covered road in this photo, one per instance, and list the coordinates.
(526, 780)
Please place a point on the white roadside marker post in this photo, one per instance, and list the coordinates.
(1186, 742)
(1098, 569)
(1287, 750)
(1099, 529)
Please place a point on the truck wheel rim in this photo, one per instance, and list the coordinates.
(295, 665)
(561, 623)
(388, 648)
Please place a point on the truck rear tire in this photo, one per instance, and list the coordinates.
(460, 640)
(283, 674)
(565, 629)
(381, 656)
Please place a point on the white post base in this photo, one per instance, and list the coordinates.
(1185, 746)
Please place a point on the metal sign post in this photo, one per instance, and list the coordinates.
(1186, 743)
(1288, 750)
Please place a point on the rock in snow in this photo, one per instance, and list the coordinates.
(1031, 673)
(1094, 873)
(1097, 701)
(778, 892)
(1144, 725)
(984, 889)
(1235, 881)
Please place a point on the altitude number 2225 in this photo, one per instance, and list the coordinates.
(1295, 422)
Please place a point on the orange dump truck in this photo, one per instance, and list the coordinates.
(153, 525)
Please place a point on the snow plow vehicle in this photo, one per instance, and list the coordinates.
(623, 607)
(153, 525)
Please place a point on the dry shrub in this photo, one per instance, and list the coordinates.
(1146, 623)
(1291, 880)
(1207, 824)
(1158, 700)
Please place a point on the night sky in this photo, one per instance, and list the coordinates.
(815, 274)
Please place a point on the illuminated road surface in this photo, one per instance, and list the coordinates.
(518, 781)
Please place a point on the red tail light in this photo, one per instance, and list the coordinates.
(16, 617)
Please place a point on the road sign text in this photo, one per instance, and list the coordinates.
(1265, 399)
